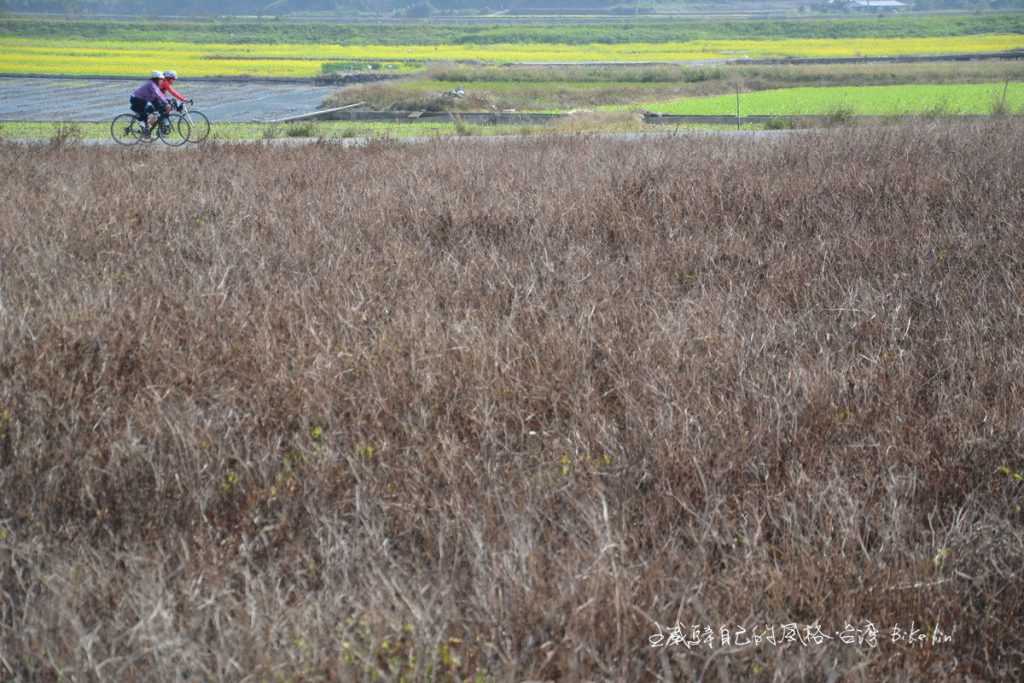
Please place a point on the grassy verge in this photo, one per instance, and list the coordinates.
(333, 130)
(511, 411)
(428, 94)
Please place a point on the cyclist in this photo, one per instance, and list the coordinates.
(147, 100)
(167, 87)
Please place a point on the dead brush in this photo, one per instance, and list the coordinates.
(376, 96)
(65, 133)
(505, 410)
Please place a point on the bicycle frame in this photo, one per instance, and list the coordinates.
(144, 118)
(185, 109)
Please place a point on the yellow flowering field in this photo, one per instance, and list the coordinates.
(68, 57)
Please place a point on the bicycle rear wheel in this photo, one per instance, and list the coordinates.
(126, 129)
(200, 126)
(174, 131)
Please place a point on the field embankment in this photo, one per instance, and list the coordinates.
(507, 411)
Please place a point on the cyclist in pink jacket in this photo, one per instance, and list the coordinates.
(167, 87)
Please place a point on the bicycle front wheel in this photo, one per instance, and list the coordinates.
(126, 129)
(200, 126)
(174, 131)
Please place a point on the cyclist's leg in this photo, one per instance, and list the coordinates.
(148, 118)
(138, 107)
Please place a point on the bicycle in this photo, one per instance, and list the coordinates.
(196, 119)
(131, 129)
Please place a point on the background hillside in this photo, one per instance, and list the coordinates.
(277, 7)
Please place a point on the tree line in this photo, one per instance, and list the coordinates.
(280, 7)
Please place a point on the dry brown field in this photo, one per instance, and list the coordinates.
(509, 410)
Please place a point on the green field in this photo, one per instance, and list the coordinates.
(886, 100)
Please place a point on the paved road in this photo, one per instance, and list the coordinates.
(51, 99)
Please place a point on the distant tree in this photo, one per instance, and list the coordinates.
(421, 10)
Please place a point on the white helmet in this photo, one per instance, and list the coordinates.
(170, 74)
(157, 74)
